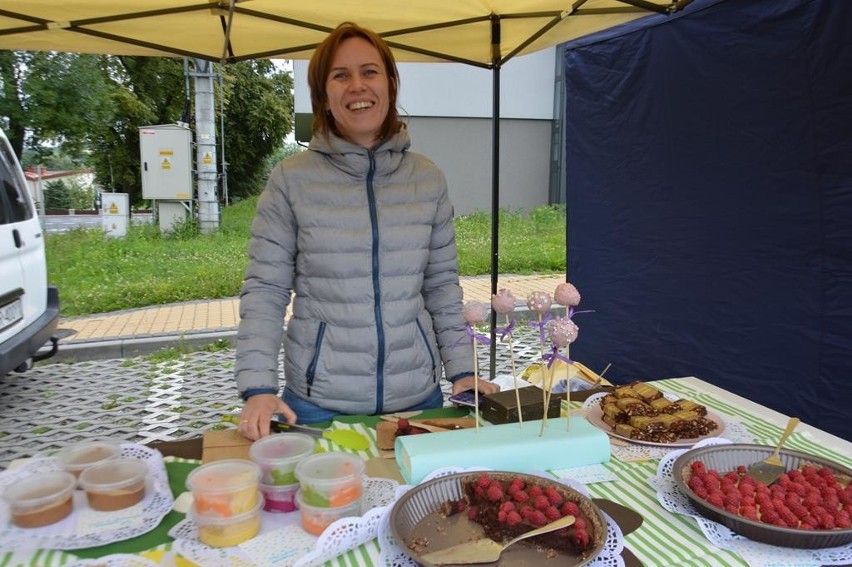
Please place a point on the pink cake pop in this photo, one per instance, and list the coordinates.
(503, 302)
(539, 301)
(566, 294)
(563, 331)
(475, 312)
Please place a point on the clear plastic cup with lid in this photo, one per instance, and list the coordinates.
(224, 488)
(330, 480)
(115, 484)
(217, 531)
(41, 499)
(277, 456)
(315, 519)
(78, 457)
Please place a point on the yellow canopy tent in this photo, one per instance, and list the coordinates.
(483, 33)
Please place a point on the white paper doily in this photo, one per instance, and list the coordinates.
(64, 534)
(341, 536)
(117, 560)
(393, 556)
(756, 554)
(628, 452)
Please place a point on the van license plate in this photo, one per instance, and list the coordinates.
(11, 313)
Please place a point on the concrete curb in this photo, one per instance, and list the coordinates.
(137, 346)
(129, 347)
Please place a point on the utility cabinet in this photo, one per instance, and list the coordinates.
(166, 152)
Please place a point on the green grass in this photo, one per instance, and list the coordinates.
(96, 274)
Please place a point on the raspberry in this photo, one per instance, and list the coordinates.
(513, 518)
(518, 482)
(716, 500)
(732, 508)
(749, 512)
(582, 539)
(483, 481)
(580, 523)
(731, 476)
(554, 496)
(472, 513)
(537, 518)
(507, 506)
(741, 469)
(501, 516)
(695, 483)
(535, 491)
(540, 502)
(526, 512)
(521, 496)
(570, 509)
(698, 467)
(494, 493)
(826, 522)
(769, 517)
(552, 513)
(701, 492)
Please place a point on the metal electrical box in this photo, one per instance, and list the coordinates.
(166, 152)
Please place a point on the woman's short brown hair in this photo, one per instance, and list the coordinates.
(320, 67)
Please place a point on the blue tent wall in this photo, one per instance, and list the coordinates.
(709, 175)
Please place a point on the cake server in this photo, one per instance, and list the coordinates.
(769, 469)
(346, 438)
(487, 550)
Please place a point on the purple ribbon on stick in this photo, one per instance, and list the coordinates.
(540, 326)
(551, 356)
(507, 330)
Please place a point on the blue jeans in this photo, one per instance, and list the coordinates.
(309, 412)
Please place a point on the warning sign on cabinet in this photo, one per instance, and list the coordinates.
(208, 158)
(165, 164)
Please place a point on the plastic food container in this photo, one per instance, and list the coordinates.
(224, 488)
(279, 498)
(80, 456)
(227, 532)
(315, 519)
(41, 499)
(330, 480)
(115, 484)
(278, 454)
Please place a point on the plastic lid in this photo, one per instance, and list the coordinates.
(87, 453)
(223, 476)
(282, 447)
(40, 489)
(115, 474)
(334, 466)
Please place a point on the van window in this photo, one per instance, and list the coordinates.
(14, 205)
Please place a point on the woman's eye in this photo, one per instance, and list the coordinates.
(339, 76)
(371, 72)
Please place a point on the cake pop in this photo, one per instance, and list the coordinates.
(504, 303)
(563, 332)
(566, 294)
(475, 312)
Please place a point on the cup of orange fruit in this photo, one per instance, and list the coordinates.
(330, 480)
(224, 488)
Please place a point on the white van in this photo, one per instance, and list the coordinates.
(29, 308)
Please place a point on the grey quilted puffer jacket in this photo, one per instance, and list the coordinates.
(364, 240)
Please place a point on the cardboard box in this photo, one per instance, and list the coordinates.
(224, 444)
(502, 407)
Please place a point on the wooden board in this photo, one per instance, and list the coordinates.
(385, 430)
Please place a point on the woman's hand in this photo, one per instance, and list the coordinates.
(467, 383)
(257, 413)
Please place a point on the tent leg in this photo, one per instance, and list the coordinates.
(495, 184)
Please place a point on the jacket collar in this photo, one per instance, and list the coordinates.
(354, 160)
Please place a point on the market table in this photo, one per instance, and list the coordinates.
(663, 540)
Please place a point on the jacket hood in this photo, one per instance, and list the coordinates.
(354, 160)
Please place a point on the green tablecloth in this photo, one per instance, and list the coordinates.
(663, 540)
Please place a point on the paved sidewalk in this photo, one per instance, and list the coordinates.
(135, 332)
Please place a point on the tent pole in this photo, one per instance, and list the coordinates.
(495, 183)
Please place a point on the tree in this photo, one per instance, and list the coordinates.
(92, 107)
(258, 117)
(57, 195)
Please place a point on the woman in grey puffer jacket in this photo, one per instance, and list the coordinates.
(360, 231)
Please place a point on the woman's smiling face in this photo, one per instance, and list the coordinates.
(357, 90)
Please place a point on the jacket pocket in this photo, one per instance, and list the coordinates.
(311, 372)
(428, 349)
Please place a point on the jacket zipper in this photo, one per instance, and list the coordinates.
(377, 291)
(428, 348)
(312, 367)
